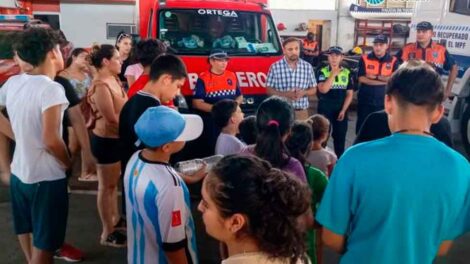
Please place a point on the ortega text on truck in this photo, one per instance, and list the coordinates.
(244, 29)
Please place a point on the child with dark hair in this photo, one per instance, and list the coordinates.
(405, 197)
(38, 186)
(227, 116)
(167, 75)
(248, 132)
(156, 194)
(320, 156)
(146, 52)
(274, 120)
(254, 209)
(72, 119)
(299, 144)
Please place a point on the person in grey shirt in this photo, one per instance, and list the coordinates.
(228, 116)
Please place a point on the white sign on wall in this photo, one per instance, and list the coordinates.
(456, 38)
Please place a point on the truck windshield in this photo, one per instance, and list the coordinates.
(197, 31)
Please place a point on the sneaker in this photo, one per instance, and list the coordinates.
(121, 225)
(69, 253)
(115, 239)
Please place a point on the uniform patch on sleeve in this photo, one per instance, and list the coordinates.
(176, 218)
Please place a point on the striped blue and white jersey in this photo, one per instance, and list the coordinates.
(158, 212)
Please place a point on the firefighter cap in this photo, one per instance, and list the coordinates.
(218, 54)
(424, 25)
(335, 50)
(380, 39)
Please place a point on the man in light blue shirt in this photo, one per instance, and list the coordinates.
(403, 198)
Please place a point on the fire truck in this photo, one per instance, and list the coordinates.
(13, 19)
(451, 20)
(191, 28)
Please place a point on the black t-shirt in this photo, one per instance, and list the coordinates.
(376, 126)
(73, 99)
(124, 65)
(130, 113)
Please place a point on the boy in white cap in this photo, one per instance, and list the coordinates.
(161, 228)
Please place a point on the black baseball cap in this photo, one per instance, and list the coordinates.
(380, 39)
(218, 54)
(335, 50)
(424, 25)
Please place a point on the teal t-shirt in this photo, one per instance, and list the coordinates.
(397, 199)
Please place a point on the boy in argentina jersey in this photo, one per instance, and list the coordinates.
(160, 226)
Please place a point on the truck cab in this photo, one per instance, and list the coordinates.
(451, 21)
(9, 25)
(191, 28)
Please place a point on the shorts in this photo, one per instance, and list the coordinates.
(105, 150)
(41, 209)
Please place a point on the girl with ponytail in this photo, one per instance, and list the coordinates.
(274, 120)
(254, 209)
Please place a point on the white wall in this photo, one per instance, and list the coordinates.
(291, 13)
(84, 24)
(302, 4)
(292, 18)
(345, 25)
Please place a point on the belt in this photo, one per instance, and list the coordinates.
(300, 109)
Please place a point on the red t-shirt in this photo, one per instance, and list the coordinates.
(139, 84)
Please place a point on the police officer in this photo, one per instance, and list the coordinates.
(374, 71)
(433, 53)
(310, 49)
(212, 86)
(335, 93)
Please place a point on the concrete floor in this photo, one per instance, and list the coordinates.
(84, 228)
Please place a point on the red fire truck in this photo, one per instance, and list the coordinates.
(13, 19)
(191, 28)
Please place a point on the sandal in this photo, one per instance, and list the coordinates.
(121, 224)
(88, 178)
(115, 239)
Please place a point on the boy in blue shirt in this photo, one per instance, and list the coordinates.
(161, 228)
(403, 198)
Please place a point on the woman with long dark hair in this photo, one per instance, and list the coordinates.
(254, 209)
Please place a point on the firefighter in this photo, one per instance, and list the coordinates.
(310, 49)
(433, 53)
(213, 85)
(374, 71)
(335, 93)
